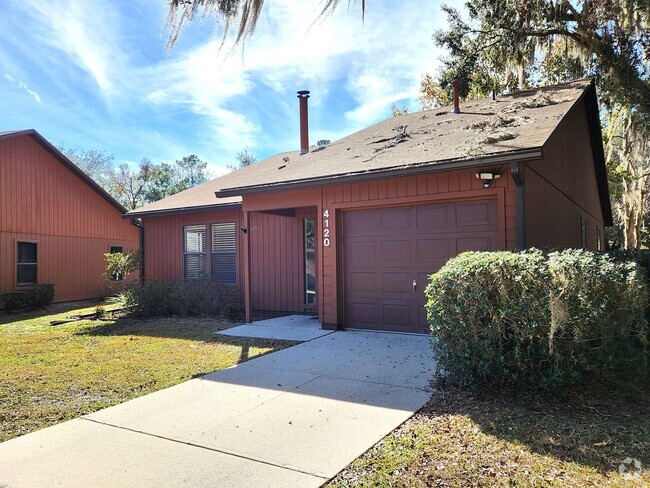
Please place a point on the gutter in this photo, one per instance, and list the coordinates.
(518, 178)
(178, 210)
(406, 170)
(138, 224)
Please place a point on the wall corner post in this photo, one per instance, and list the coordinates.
(247, 268)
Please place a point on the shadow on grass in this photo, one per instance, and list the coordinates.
(597, 426)
(190, 328)
(45, 313)
(185, 328)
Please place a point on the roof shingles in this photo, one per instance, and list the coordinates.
(512, 124)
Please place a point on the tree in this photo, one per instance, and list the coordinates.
(323, 142)
(96, 164)
(130, 187)
(190, 171)
(163, 183)
(244, 158)
(508, 45)
(226, 13)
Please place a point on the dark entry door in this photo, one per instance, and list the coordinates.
(389, 253)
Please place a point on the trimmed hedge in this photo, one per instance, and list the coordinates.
(38, 296)
(183, 298)
(13, 300)
(538, 319)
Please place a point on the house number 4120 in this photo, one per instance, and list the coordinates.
(326, 228)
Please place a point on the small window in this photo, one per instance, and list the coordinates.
(27, 269)
(310, 262)
(116, 249)
(224, 252)
(194, 253)
(583, 232)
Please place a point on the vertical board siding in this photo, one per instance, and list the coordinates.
(41, 200)
(271, 268)
(562, 187)
(163, 242)
(277, 261)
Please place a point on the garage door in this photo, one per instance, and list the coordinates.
(389, 253)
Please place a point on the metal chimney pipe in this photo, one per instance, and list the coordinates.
(303, 95)
(456, 86)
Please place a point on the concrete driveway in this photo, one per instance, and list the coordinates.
(292, 418)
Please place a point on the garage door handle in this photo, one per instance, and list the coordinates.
(415, 285)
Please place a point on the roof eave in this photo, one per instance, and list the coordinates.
(404, 170)
(178, 210)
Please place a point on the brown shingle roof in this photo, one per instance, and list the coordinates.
(516, 125)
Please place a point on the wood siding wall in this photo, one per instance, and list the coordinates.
(276, 253)
(163, 242)
(435, 187)
(42, 201)
(561, 189)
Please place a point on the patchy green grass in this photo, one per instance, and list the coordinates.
(49, 374)
(497, 439)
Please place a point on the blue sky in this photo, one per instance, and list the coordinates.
(96, 75)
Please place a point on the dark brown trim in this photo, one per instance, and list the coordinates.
(45, 144)
(181, 210)
(596, 136)
(404, 170)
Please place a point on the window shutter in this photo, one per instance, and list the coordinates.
(194, 257)
(224, 252)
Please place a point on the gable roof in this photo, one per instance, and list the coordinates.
(512, 127)
(66, 162)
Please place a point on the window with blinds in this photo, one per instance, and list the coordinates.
(224, 252)
(194, 252)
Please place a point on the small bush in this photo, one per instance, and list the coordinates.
(184, 298)
(234, 312)
(13, 300)
(40, 295)
(538, 319)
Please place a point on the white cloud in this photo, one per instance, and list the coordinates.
(23, 86)
(31, 92)
(84, 31)
(379, 62)
(198, 99)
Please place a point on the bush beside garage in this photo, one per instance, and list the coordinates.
(540, 319)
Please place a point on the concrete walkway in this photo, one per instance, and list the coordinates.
(292, 418)
(290, 328)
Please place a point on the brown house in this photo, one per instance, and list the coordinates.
(55, 222)
(351, 231)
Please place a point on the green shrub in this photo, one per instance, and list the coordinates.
(40, 295)
(13, 300)
(184, 298)
(120, 264)
(538, 319)
(234, 312)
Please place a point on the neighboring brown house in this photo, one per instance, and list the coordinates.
(353, 230)
(55, 222)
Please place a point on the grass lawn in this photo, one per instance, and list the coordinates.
(497, 439)
(49, 374)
